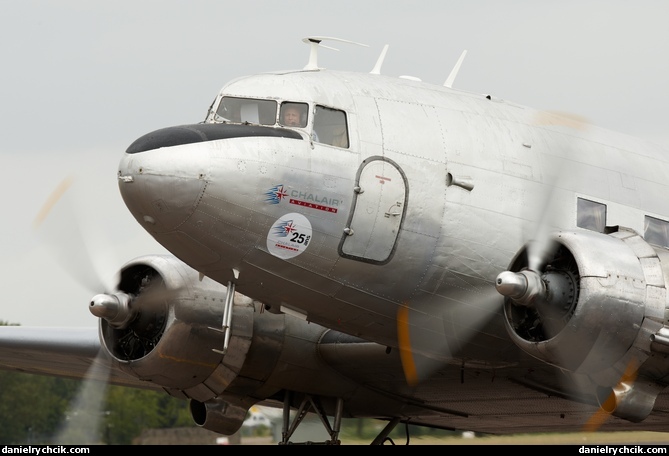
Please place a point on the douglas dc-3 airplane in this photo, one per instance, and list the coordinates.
(358, 245)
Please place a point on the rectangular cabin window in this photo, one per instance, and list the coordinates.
(330, 127)
(590, 215)
(246, 110)
(656, 231)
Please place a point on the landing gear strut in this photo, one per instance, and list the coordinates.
(311, 404)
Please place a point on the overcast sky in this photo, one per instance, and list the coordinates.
(80, 80)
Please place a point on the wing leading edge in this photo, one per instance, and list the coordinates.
(59, 352)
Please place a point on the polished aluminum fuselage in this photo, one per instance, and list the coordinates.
(437, 192)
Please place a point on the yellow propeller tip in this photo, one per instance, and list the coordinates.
(56, 195)
(404, 342)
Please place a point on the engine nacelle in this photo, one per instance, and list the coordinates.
(173, 329)
(594, 309)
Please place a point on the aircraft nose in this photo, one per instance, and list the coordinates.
(163, 174)
(162, 184)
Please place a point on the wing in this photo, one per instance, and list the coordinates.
(61, 352)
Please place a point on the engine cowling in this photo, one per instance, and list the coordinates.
(597, 309)
(165, 325)
(167, 306)
(173, 329)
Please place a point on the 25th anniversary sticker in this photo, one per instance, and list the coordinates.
(289, 236)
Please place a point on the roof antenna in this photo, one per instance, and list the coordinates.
(379, 62)
(315, 42)
(454, 71)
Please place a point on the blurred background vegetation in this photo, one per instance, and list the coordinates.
(37, 409)
(34, 409)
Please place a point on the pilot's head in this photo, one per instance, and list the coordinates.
(291, 115)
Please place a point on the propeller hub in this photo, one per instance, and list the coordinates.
(115, 308)
(523, 287)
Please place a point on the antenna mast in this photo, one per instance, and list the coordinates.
(454, 71)
(379, 62)
(314, 42)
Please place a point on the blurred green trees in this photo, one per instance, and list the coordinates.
(38, 409)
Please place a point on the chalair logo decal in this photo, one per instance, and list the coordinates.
(289, 236)
(275, 194)
(310, 200)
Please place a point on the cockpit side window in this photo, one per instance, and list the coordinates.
(246, 110)
(330, 127)
(294, 114)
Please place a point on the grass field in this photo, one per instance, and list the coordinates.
(583, 438)
(363, 432)
(599, 438)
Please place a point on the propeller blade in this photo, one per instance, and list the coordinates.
(608, 405)
(60, 229)
(540, 247)
(429, 339)
(85, 412)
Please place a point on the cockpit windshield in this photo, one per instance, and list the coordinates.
(246, 110)
(329, 125)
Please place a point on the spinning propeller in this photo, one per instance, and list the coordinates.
(134, 312)
(540, 290)
(61, 229)
(58, 226)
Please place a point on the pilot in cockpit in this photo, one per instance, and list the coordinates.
(294, 115)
